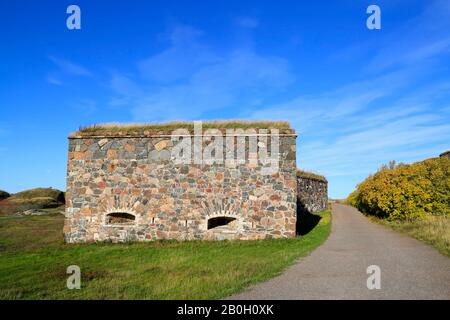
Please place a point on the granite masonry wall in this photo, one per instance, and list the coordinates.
(127, 187)
(312, 194)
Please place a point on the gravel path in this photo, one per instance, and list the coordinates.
(337, 269)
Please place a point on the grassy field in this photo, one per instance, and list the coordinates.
(38, 198)
(433, 230)
(34, 258)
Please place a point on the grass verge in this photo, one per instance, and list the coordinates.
(33, 262)
(433, 230)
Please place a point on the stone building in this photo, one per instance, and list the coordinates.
(127, 183)
(312, 193)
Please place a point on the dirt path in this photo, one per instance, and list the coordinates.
(337, 269)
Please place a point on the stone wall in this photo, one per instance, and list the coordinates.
(127, 187)
(312, 194)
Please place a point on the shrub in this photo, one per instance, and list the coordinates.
(406, 191)
(55, 194)
(36, 203)
(4, 195)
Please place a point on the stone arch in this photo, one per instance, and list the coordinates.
(222, 218)
(120, 217)
(219, 221)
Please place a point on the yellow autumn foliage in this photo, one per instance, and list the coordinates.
(406, 192)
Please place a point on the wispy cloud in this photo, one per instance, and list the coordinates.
(180, 60)
(70, 68)
(189, 78)
(352, 130)
(342, 133)
(344, 145)
(417, 40)
(53, 80)
(247, 22)
(391, 111)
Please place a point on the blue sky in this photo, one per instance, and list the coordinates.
(358, 98)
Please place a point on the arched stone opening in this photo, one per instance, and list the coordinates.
(120, 218)
(221, 221)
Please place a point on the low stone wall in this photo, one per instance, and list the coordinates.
(312, 194)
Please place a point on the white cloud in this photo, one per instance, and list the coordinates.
(352, 130)
(400, 113)
(188, 79)
(417, 40)
(247, 22)
(54, 81)
(70, 68)
(345, 133)
(182, 58)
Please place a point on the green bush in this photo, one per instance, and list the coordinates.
(406, 192)
(55, 194)
(36, 203)
(4, 194)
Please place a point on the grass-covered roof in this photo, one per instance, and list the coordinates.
(310, 175)
(168, 127)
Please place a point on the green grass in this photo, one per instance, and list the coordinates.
(37, 193)
(310, 175)
(433, 230)
(33, 262)
(38, 198)
(108, 128)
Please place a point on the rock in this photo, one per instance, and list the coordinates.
(163, 144)
(34, 212)
(153, 155)
(164, 155)
(102, 142)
